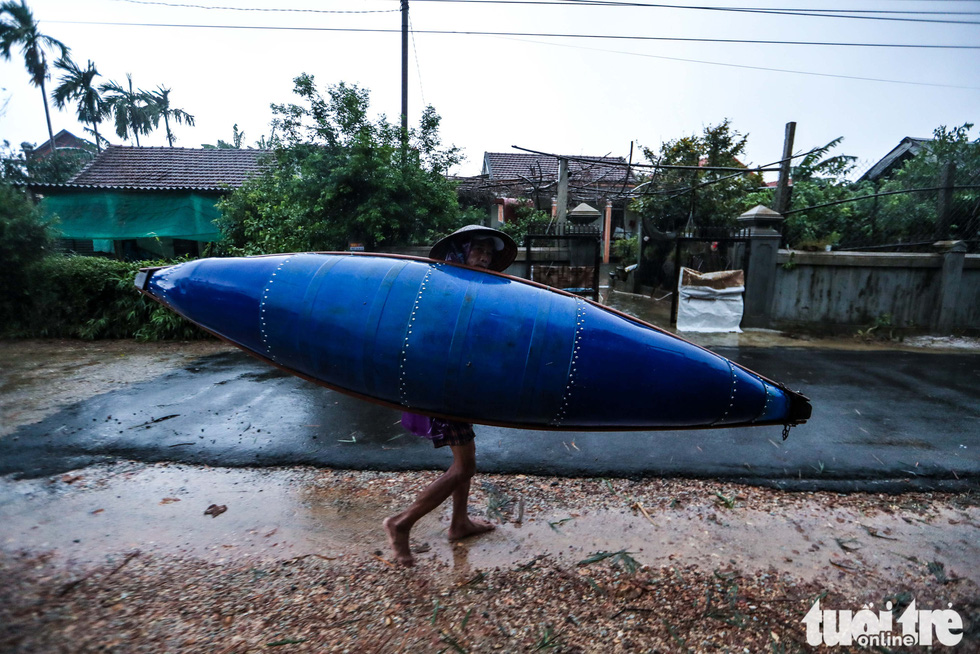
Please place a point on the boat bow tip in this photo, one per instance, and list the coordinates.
(799, 409)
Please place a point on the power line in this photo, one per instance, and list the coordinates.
(881, 195)
(818, 13)
(750, 67)
(418, 66)
(307, 11)
(620, 37)
(623, 164)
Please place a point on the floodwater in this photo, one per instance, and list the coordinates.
(86, 516)
(656, 309)
(39, 377)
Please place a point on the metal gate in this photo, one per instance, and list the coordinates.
(565, 256)
(709, 250)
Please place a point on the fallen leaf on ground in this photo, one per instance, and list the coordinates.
(215, 510)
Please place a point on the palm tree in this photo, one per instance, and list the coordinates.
(76, 84)
(129, 108)
(159, 103)
(17, 27)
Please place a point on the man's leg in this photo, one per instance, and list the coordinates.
(461, 524)
(458, 476)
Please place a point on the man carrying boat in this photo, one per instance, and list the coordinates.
(477, 247)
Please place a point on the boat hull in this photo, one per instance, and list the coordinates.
(449, 341)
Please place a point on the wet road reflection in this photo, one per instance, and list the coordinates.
(88, 516)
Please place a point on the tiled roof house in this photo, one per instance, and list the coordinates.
(510, 176)
(518, 166)
(137, 202)
(63, 140)
(513, 177)
(907, 148)
(169, 169)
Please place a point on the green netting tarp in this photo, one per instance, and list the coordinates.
(121, 215)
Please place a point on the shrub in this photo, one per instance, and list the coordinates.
(92, 298)
(525, 215)
(24, 239)
(625, 250)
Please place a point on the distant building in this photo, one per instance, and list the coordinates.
(136, 203)
(905, 150)
(63, 140)
(508, 179)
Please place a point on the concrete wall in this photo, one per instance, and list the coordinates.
(848, 290)
(968, 296)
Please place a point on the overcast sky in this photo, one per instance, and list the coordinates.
(588, 96)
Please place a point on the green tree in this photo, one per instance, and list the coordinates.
(912, 217)
(24, 238)
(237, 138)
(525, 215)
(668, 202)
(819, 178)
(18, 28)
(129, 109)
(55, 168)
(78, 85)
(158, 102)
(336, 176)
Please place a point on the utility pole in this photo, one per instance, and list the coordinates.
(947, 178)
(562, 189)
(404, 75)
(781, 199)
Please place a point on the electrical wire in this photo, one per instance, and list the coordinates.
(875, 14)
(818, 13)
(418, 67)
(748, 66)
(622, 37)
(614, 163)
(305, 11)
(881, 195)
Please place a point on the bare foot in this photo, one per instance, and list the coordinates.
(398, 541)
(471, 527)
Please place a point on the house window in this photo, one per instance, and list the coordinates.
(74, 246)
(185, 248)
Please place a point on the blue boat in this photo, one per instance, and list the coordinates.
(449, 341)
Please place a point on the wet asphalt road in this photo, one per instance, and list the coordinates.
(882, 420)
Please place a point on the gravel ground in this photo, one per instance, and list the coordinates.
(575, 565)
(363, 605)
(349, 597)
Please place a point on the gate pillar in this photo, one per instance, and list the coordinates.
(954, 256)
(762, 224)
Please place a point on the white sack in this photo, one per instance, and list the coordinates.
(710, 302)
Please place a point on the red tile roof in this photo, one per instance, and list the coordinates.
(64, 140)
(703, 161)
(123, 167)
(500, 166)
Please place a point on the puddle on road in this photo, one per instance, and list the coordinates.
(85, 516)
(39, 377)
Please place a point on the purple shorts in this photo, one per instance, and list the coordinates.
(440, 432)
(450, 432)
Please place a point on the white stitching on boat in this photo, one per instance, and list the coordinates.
(262, 322)
(731, 397)
(579, 327)
(402, 385)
